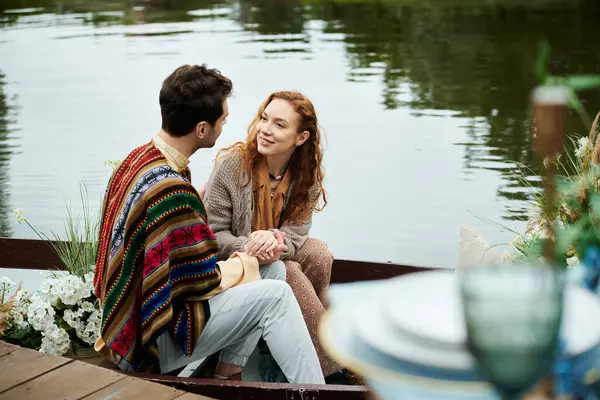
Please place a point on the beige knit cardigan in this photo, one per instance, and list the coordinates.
(230, 206)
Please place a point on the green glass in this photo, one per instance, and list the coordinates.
(512, 315)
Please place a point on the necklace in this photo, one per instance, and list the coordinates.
(278, 177)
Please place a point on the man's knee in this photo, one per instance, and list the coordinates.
(277, 289)
(274, 271)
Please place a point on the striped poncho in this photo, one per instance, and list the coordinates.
(155, 252)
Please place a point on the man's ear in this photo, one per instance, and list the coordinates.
(303, 137)
(201, 130)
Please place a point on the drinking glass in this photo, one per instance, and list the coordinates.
(513, 315)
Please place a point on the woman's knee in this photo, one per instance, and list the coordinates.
(318, 252)
(293, 271)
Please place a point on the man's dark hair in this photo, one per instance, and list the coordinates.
(190, 95)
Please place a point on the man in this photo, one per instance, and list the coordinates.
(165, 299)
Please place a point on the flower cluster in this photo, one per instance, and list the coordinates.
(12, 309)
(64, 310)
(66, 288)
(584, 147)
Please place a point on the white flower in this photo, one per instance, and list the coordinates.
(6, 285)
(4, 280)
(55, 341)
(18, 319)
(584, 147)
(92, 330)
(573, 261)
(548, 161)
(46, 286)
(74, 321)
(87, 306)
(69, 299)
(21, 302)
(70, 289)
(19, 215)
(40, 315)
(114, 164)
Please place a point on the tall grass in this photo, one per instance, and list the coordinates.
(78, 248)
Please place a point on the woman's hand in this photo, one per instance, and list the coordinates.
(260, 243)
(279, 250)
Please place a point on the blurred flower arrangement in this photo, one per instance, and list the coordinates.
(576, 218)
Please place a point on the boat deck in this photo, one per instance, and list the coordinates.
(29, 374)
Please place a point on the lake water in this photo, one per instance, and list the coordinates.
(425, 104)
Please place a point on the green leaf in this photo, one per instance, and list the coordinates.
(552, 80)
(567, 185)
(541, 63)
(60, 305)
(582, 82)
(18, 334)
(595, 203)
(574, 101)
(63, 324)
(566, 237)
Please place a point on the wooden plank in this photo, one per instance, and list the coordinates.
(236, 390)
(69, 382)
(24, 364)
(28, 254)
(132, 388)
(345, 271)
(191, 396)
(37, 254)
(6, 348)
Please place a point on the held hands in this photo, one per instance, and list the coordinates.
(267, 246)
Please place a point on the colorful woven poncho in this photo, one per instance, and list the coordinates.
(155, 252)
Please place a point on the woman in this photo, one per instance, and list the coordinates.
(261, 196)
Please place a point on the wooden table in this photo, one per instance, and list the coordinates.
(29, 374)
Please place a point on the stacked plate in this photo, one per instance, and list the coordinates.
(406, 336)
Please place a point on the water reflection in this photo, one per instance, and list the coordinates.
(474, 59)
(470, 57)
(7, 113)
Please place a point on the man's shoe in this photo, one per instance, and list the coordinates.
(343, 377)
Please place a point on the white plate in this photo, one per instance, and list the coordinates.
(418, 318)
(338, 338)
(427, 306)
(373, 326)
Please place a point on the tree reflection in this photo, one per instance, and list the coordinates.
(474, 59)
(6, 150)
(468, 56)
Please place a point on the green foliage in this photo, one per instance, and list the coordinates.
(24, 337)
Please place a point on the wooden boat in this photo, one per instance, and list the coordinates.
(38, 255)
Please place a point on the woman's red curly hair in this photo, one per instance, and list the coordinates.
(306, 162)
